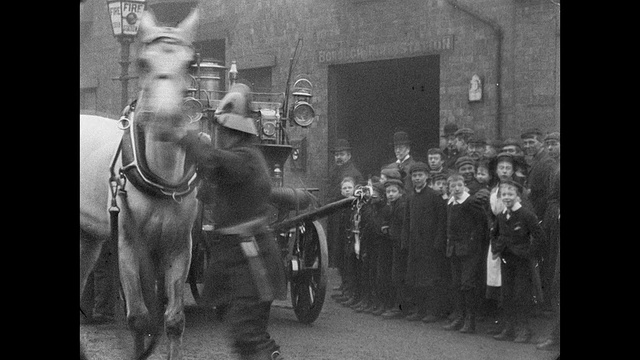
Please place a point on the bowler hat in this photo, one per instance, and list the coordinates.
(419, 166)
(401, 138)
(464, 160)
(395, 182)
(450, 129)
(552, 136)
(529, 133)
(342, 145)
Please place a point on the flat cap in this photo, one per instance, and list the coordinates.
(391, 173)
(529, 133)
(514, 183)
(477, 139)
(511, 142)
(438, 176)
(464, 131)
(395, 182)
(419, 166)
(552, 136)
(464, 160)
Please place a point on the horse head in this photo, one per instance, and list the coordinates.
(162, 63)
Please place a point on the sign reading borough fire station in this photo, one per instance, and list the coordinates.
(347, 54)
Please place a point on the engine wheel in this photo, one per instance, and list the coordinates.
(309, 273)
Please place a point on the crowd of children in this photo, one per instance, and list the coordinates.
(464, 242)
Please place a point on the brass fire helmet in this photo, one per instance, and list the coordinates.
(234, 110)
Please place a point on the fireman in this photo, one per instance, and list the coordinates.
(246, 273)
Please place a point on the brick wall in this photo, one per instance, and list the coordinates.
(353, 31)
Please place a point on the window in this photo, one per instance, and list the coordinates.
(211, 50)
(258, 79)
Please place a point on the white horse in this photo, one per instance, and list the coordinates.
(157, 206)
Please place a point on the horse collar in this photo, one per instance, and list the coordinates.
(134, 164)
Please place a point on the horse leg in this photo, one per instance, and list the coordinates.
(176, 273)
(137, 285)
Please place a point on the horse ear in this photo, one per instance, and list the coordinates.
(148, 25)
(189, 25)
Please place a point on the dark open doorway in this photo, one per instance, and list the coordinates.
(369, 101)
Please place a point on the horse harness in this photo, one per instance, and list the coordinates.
(135, 170)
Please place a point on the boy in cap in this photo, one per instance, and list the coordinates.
(345, 248)
(466, 229)
(393, 262)
(514, 147)
(438, 182)
(516, 238)
(424, 236)
(466, 167)
(370, 239)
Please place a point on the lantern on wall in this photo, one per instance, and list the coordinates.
(302, 112)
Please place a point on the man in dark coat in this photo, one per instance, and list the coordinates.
(542, 167)
(551, 227)
(342, 167)
(246, 273)
(462, 138)
(538, 181)
(449, 135)
(404, 160)
(552, 342)
(552, 144)
(424, 237)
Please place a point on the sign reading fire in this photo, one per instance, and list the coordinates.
(125, 16)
